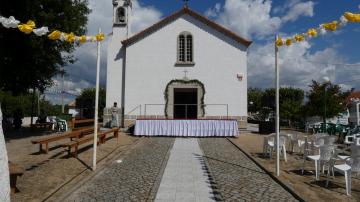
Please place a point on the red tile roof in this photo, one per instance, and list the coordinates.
(192, 13)
(355, 94)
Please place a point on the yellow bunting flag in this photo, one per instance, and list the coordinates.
(70, 37)
(100, 37)
(82, 39)
(332, 26)
(288, 42)
(55, 35)
(279, 42)
(312, 32)
(299, 38)
(28, 27)
(352, 17)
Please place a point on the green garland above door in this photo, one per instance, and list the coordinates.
(180, 81)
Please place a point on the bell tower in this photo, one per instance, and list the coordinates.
(116, 58)
(122, 17)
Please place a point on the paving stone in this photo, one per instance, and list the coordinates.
(132, 180)
(236, 177)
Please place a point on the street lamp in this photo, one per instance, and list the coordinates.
(326, 81)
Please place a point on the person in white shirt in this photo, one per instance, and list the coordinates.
(114, 116)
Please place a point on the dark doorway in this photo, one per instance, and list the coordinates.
(185, 103)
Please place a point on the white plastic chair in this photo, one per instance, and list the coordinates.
(61, 125)
(326, 153)
(358, 141)
(270, 145)
(351, 164)
(350, 139)
(329, 140)
(293, 140)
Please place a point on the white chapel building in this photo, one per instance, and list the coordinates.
(183, 67)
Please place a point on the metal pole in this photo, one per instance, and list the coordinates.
(140, 111)
(62, 91)
(38, 103)
(227, 111)
(277, 118)
(145, 111)
(96, 102)
(186, 111)
(32, 107)
(325, 131)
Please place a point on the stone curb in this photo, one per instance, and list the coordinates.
(276, 179)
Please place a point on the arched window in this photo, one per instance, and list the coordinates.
(185, 48)
(120, 14)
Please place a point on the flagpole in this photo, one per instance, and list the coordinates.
(96, 102)
(277, 116)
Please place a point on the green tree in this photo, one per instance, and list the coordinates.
(325, 98)
(29, 61)
(291, 100)
(86, 102)
(10, 103)
(254, 98)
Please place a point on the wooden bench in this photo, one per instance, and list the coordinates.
(42, 125)
(73, 146)
(82, 122)
(85, 127)
(15, 172)
(46, 140)
(102, 135)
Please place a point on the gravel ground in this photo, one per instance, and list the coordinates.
(136, 178)
(45, 174)
(236, 177)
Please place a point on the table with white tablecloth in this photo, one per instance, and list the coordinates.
(192, 128)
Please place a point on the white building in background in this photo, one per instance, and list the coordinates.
(183, 59)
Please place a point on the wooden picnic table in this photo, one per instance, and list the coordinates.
(47, 125)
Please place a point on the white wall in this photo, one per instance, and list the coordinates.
(150, 65)
(114, 68)
(115, 59)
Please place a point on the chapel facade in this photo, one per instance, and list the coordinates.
(183, 67)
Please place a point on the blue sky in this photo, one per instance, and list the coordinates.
(257, 20)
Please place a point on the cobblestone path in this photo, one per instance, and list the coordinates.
(134, 179)
(236, 177)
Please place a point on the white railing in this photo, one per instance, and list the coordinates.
(187, 105)
(135, 108)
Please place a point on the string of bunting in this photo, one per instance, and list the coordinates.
(322, 29)
(30, 27)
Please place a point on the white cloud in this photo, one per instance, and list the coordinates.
(250, 18)
(143, 16)
(213, 12)
(298, 9)
(297, 65)
(253, 19)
